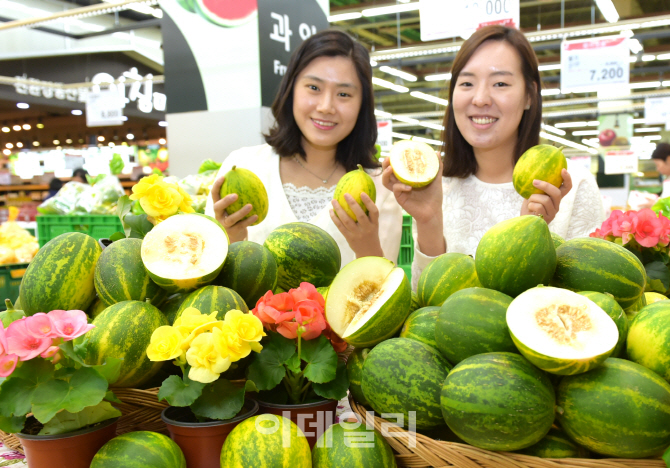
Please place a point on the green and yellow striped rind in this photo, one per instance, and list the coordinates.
(607, 303)
(387, 321)
(249, 189)
(472, 321)
(498, 401)
(335, 449)
(402, 375)
(96, 309)
(121, 276)
(649, 338)
(250, 270)
(558, 240)
(60, 277)
(213, 298)
(303, 252)
(621, 409)
(124, 330)
(415, 304)
(651, 297)
(266, 441)
(420, 326)
(141, 449)
(171, 306)
(355, 183)
(633, 310)
(541, 162)
(516, 255)
(355, 363)
(556, 445)
(591, 264)
(444, 276)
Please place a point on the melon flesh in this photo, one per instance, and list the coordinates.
(184, 247)
(414, 163)
(561, 324)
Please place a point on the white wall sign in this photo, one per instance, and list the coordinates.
(442, 19)
(657, 110)
(384, 138)
(620, 162)
(103, 108)
(586, 63)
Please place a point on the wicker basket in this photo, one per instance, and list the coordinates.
(429, 453)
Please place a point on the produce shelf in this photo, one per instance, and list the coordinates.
(10, 281)
(96, 226)
(406, 254)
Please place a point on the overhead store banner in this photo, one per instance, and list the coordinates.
(442, 19)
(594, 62)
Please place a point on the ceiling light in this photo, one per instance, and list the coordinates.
(68, 141)
(101, 138)
(585, 132)
(653, 137)
(373, 63)
(9, 145)
(381, 113)
(635, 47)
(39, 124)
(647, 130)
(396, 72)
(429, 97)
(26, 126)
(593, 142)
(549, 66)
(608, 10)
(563, 141)
(431, 125)
(345, 16)
(665, 83)
(6, 152)
(19, 145)
(36, 143)
(111, 144)
(22, 105)
(645, 84)
(162, 141)
(16, 128)
(438, 77)
(402, 8)
(408, 120)
(648, 58)
(663, 57)
(130, 136)
(550, 92)
(552, 129)
(402, 136)
(162, 123)
(571, 124)
(632, 59)
(77, 112)
(56, 142)
(6, 129)
(389, 85)
(638, 121)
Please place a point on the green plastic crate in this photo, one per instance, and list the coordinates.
(96, 226)
(406, 254)
(10, 281)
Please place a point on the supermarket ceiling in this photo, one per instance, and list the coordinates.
(416, 100)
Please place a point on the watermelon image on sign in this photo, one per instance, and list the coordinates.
(227, 13)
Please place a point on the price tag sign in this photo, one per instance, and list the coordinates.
(442, 19)
(103, 108)
(657, 110)
(587, 63)
(620, 162)
(384, 134)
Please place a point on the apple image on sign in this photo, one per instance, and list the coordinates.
(606, 137)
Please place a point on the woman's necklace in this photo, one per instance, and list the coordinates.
(325, 181)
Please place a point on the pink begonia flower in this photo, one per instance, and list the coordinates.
(70, 324)
(597, 234)
(8, 364)
(3, 339)
(307, 291)
(50, 352)
(23, 343)
(664, 239)
(41, 326)
(274, 308)
(623, 225)
(648, 228)
(309, 314)
(606, 227)
(288, 329)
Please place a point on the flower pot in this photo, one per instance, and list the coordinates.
(71, 450)
(201, 442)
(312, 418)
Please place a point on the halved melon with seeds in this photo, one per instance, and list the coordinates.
(414, 163)
(560, 331)
(185, 252)
(368, 301)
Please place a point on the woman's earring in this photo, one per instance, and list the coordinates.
(528, 107)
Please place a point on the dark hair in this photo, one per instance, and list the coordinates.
(55, 184)
(459, 156)
(662, 151)
(80, 172)
(285, 136)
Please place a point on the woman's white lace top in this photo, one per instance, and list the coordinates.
(305, 202)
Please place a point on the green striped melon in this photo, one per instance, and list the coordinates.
(171, 306)
(444, 276)
(558, 240)
(355, 363)
(472, 321)
(304, 253)
(498, 401)
(60, 276)
(185, 252)
(139, 449)
(556, 445)
(420, 326)
(368, 301)
(120, 275)
(620, 409)
(355, 183)
(651, 297)
(402, 375)
(633, 310)
(560, 331)
(250, 191)
(334, 449)
(591, 264)
(210, 298)
(541, 162)
(124, 330)
(266, 441)
(516, 255)
(250, 270)
(414, 303)
(649, 338)
(607, 303)
(96, 309)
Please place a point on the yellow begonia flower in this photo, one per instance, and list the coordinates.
(249, 327)
(187, 201)
(161, 200)
(205, 361)
(192, 323)
(226, 341)
(165, 344)
(140, 189)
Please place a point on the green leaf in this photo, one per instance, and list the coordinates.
(337, 388)
(293, 363)
(658, 270)
(94, 180)
(666, 457)
(86, 388)
(110, 396)
(267, 368)
(111, 369)
(117, 236)
(139, 225)
(219, 400)
(12, 424)
(180, 392)
(67, 422)
(123, 206)
(250, 386)
(69, 351)
(116, 164)
(321, 360)
(17, 391)
(209, 165)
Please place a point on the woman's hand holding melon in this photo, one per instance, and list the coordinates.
(234, 224)
(547, 204)
(363, 234)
